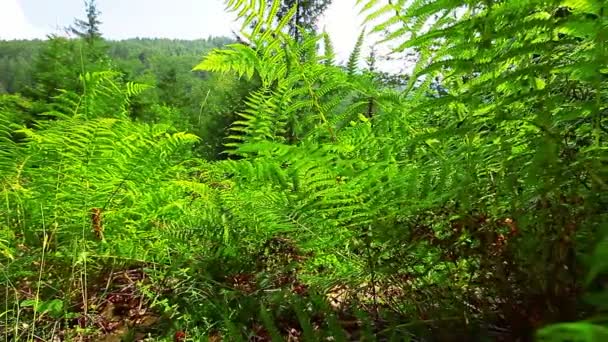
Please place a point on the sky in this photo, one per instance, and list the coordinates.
(185, 19)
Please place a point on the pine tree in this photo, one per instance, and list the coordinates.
(88, 29)
(96, 52)
(56, 66)
(307, 13)
(59, 64)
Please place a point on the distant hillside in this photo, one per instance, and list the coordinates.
(134, 57)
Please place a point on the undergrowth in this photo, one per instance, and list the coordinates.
(469, 203)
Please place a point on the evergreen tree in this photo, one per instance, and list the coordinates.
(61, 61)
(56, 66)
(88, 29)
(307, 13)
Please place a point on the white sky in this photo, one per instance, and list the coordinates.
(14, 25)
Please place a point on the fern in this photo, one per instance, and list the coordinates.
(8, 151)
(77, 163)
(487, 170)
(353, 59)
(482, 126)
(328, 51)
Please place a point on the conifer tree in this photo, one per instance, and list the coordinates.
(307, 13)
(88, 29)
(61, 61)
(55, 67)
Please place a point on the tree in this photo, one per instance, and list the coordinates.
(307, 13)
(88, 29)
(56, 66)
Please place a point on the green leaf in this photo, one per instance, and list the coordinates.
(53, 307)
(599, 261)
(539, 83)
(579, 331)
(585, 6)
(29, 303)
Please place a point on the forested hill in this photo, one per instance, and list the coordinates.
(134, 57)
(36, 69)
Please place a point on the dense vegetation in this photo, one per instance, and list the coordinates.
(37, 69)
(273, 194)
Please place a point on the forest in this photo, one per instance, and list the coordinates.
(257, 188)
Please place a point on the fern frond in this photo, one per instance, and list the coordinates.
(328, 52)
(353, 60)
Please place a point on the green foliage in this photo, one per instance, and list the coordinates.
(503, 153)
(197, 102)
(573, 332)
(88, 185)
(22, 61)
(355, 56)
(328, 50)
(470, 199)
(15, 64)
(307, 13)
